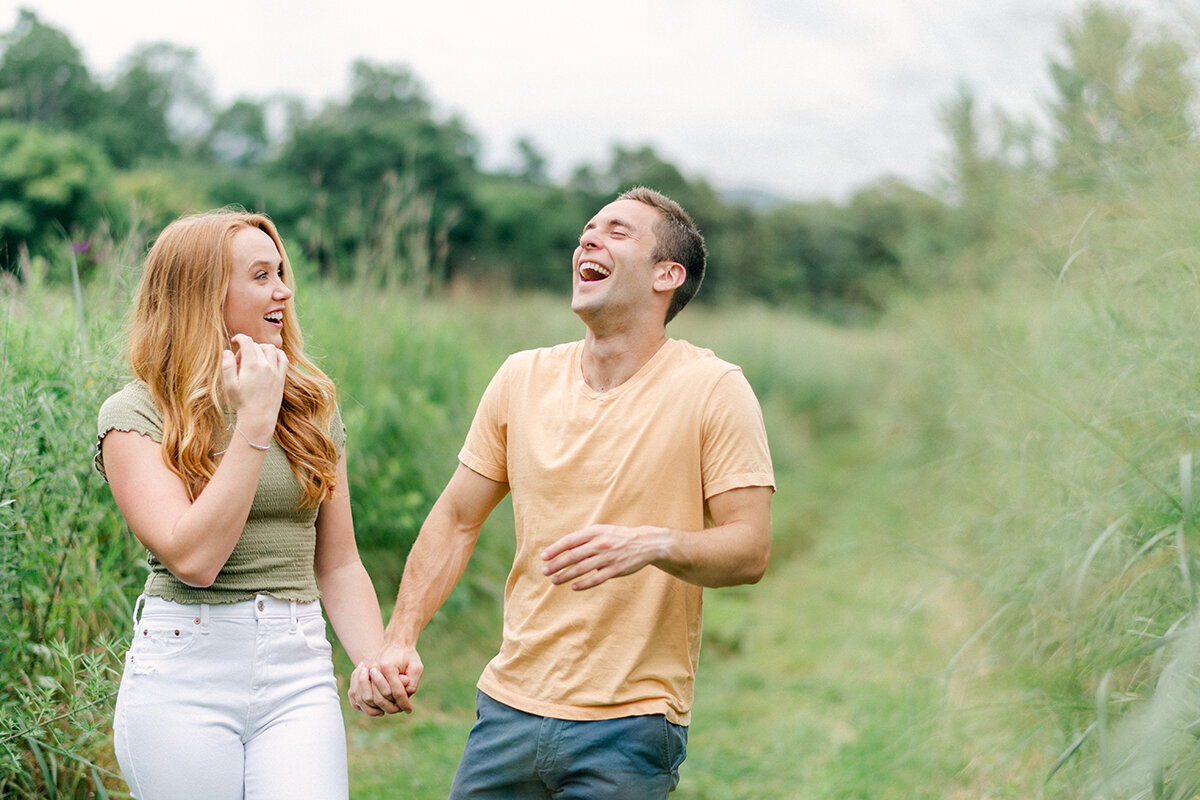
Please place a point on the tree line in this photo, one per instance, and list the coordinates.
(376, 187)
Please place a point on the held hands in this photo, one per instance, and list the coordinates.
(597, 553)
(386, 684)
(254, 377)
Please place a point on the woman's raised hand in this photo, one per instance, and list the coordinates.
(254, 378)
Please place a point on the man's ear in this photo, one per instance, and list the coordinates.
(670, 276)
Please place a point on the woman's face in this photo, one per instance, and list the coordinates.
(256, 294)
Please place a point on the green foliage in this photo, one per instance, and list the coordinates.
(135, 125)
(68, 568)
(846, 262)
(376, 189)
(43, 78)
(407, 391)
(239, 134)
(1052, 418)
(527, 233)
(1120, 94)
(51, 187)
(387, 184)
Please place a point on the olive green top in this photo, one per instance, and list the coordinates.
(274, 554)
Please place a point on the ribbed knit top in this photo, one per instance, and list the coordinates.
(274, 554)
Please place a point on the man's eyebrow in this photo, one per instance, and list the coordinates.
(615, 222)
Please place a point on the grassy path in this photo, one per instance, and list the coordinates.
(826, 680)
(822, 682)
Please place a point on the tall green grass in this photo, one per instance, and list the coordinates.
(67, 566)
(1050, 437)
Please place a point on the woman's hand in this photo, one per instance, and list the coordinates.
(254, 378)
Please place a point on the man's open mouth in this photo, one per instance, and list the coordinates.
(591, 271)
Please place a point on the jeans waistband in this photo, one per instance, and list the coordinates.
(263, 606)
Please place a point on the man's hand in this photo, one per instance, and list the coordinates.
(599, 552)
(387, 683)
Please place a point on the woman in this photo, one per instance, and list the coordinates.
(226, 457)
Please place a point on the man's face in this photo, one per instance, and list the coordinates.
(613, 264)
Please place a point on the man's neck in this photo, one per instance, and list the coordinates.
(609, 361)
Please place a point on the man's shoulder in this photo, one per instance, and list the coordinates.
(542, 357)
(699, 360)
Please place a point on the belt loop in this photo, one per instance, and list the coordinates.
(204, 618)
(138, 605)
(295, 617)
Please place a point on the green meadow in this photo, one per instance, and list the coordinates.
(985, 539)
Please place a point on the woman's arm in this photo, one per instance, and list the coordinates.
(193, 539)
(346, 591)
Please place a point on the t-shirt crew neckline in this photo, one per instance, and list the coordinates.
(621, 388)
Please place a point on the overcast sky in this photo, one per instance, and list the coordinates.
(802, 98)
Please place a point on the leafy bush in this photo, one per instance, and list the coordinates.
(52, 185)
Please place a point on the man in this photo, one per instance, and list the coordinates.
(640, 473)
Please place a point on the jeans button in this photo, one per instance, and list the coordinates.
(260, 605)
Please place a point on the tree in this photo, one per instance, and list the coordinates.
(1121, 96)
(981, 178)
(52, 186)
(526, 234)
(238, 135)
(158, 106)
(533, 163)
(43, 78)
(376, 159)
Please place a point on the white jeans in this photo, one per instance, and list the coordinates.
(230, 701)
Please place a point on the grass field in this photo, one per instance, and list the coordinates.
(982, 577)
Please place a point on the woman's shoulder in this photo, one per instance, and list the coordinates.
(131, 408)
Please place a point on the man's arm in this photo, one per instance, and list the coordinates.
(734, 551)
(385, 683)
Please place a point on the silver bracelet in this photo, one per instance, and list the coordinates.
(260, 447)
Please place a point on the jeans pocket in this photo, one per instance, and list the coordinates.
(315, 639)
(676, 739)
(158, 640)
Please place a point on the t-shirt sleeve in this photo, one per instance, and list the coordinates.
(486, 448)
(130, 409)
(734, 451)
(337, 431)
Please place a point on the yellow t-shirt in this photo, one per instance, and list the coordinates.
(651, 451)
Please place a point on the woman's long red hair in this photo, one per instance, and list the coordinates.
(176, 337)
